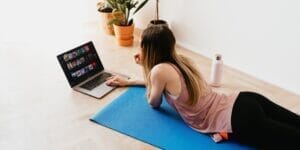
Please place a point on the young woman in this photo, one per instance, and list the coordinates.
(247, 117)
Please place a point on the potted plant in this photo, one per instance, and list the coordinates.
(157, 21)
(105, 10)
(122, 19)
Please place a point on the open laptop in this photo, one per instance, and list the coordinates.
(84, 70)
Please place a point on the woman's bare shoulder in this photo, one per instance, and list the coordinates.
(163, 70)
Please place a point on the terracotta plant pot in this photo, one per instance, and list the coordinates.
(124, 35)
(105, 18)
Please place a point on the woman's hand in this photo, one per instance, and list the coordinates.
(117, 81)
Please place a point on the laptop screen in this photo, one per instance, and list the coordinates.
(80, 63)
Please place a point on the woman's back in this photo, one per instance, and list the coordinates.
(211, 113)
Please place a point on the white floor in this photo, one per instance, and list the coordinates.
(38, 110)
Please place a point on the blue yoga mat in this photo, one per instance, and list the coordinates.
(130, 114)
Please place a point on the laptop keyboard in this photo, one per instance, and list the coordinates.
(96, 81)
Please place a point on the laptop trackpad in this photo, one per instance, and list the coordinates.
(95, 82)
(101, 90)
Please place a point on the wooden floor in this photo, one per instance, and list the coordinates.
(38, 110)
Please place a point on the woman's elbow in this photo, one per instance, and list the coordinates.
(154, 104)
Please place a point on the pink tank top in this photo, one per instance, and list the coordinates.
(212, 112)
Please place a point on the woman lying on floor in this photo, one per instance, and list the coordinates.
(247, 117)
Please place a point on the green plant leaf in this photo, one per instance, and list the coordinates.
(126, 7)
(140, 6)
(114, 21)
(112, 4)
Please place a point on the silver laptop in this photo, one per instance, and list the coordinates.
(84, 70)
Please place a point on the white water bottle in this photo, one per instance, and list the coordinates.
(216, 71)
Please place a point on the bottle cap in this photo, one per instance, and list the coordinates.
(218, 56)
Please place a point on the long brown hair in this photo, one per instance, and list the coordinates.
(158, 46)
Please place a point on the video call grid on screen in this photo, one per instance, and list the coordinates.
(80, 63)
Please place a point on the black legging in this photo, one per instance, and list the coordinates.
(258, 121)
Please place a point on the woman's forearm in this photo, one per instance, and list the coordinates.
(136, 82)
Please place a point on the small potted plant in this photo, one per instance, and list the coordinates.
(105, 10)
(122, 19)
(157, 21)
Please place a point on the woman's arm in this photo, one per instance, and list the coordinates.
(158, 79)
(121, 81)
(136, 82)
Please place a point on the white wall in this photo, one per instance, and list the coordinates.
(259, 37)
